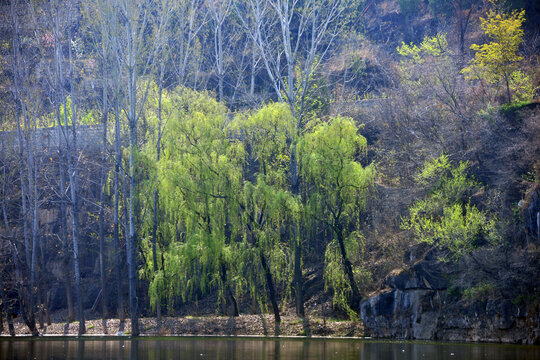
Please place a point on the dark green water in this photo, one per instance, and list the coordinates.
(242, 348)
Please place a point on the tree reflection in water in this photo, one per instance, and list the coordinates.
(244, 348)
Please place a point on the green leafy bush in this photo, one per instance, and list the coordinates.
(445, 218)
(479, 292)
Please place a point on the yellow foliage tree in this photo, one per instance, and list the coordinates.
(497, 61)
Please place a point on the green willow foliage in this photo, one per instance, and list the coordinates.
(266, 203)
(194, 176)
(338, 187)
(226, 210)
(445, 218)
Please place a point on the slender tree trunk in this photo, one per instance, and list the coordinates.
(154, 253)
(508, 93)
(253, 69)
(298, 277)
(63, 216)
(39, 288)
(223, 275)
(24, 190)
(3, 297)
(116, 238)
(27, 249)
(347, 267)
(219, 52)
(73, 180)
(18, 108)
(132, 240)
(62, 149)
(104, 292)
(35, 282)
(32, 186)
(42, 282)
(156, 196)
(270, 285)
(298, 281)
(75, 235)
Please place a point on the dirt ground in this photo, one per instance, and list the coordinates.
(205, 325)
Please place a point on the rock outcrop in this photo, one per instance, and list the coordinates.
(417, 305)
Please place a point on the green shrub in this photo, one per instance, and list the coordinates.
(479, 292)
(445, 218)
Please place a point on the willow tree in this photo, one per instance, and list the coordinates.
(198, 178)
(161, 106)
(293, 38)
(338, 188)
(269, 209)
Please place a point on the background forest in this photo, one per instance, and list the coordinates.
(259, 156)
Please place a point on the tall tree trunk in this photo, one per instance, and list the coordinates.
(156, 195)
(42, 281)
(219, 50)
(35, 283)
(7, 307)
(298, 281)
(27, 251)
(154, 253)
(104, 292)
(19, 106)
(32, 186)
(24, 191)
(63, 217)
(132, 240)
(116, 238)
(73, 181)
(62, 156)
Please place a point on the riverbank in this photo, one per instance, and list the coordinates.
(243, 325)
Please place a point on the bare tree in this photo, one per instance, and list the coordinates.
(220, 11)
(135, 60)
(72, 155)
(99, 18)
(105, 18)
(6, 303)
(19, 74)
(56, 18)
(116, 181)
(162, 58)
(188, 23)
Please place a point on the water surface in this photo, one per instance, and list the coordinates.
(242, 348)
